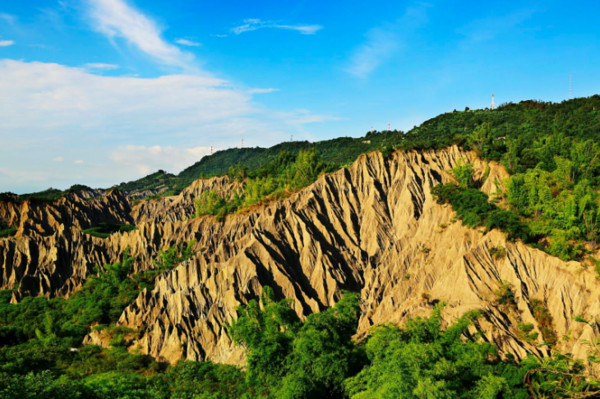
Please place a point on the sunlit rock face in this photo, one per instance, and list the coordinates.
(372, 227)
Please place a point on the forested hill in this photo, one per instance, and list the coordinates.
(335, 153)
(522, 135)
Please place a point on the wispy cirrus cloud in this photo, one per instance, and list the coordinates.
(187, 42)
(6, 43)
(253, 24)
(100, 66)
(8, 18)
(116, 18)
(485, 29)
(262, 90)
(382, 42)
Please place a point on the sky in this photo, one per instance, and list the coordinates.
(98, 92)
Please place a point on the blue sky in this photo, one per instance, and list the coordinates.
(102, 91)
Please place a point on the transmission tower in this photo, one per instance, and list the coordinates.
(493, 102)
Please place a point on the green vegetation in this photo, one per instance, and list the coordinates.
(544, 319)
(274, 180)
(498, 252)
(40, 339)
(290, 359)
(49, 195)
(421, 360)
(552, 152)
(6, 231)
(505, 296)
(334, 154)
(41, 354)
(526, 333)
(474, 209)
(103, 230)
(155, 181)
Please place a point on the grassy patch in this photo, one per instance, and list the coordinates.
(544, 318)
(103, 230)
(7, 232)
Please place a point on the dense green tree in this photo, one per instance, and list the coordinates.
(463, 172)
(422, 360)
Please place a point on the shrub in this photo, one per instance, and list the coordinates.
(463, 172)
(544, 319)
(103, 230)
(505, 295)
(498, 252)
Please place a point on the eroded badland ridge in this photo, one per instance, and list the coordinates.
(373, 227)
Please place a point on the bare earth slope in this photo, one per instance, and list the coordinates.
(372, 227)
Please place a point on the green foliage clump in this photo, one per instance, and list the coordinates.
(280, 177)
(562, 205)
(526, 333)
(290, 359)
(421, 360)
(49, 195)
(6, 231)
(544, 319)
(474, 209)
(506, 296)
(463, 172)
(41, 355)
(498, 252)
(36, 333)
(211, 203)
(103, 230)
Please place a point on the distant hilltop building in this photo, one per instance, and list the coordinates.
(493, 102)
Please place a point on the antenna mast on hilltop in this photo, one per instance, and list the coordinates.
(211, 150)
(389, 127)
(242, 143)
(493, 102)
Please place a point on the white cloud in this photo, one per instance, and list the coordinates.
(146, 159)
(115, 18)
(255, 24)
(53, 96)
(112, 123)
(6, 43)
(262, 91)
(385, 41)
(187, 42)
(58, 159)
(100, 66)
(78, 162)
(378, 48)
